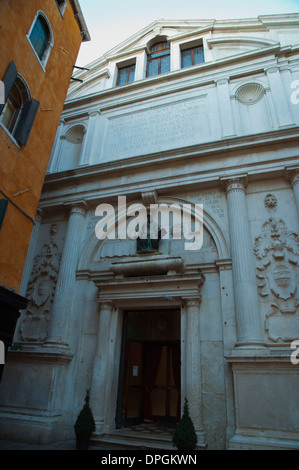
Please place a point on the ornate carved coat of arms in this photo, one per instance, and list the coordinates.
(277, 252)
(40, 293)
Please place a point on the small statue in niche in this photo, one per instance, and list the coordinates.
(150, 237)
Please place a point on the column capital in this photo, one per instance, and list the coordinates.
(94, 113)
(149, 197)
(192, 302)
(39, 216)
(234, 183)
(273, 69)
(222, 81)
(106, 304)
(77, 207)
(292, 175)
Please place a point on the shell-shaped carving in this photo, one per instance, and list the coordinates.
(75, 134)
(250, 93)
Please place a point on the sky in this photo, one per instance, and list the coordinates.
(112, 21)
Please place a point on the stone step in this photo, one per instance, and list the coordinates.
(134, 440)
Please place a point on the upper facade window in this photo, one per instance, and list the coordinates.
(158, 59)
(192, 56)
(126, 75)
(18, 112)
(61, 4)
(40, 37)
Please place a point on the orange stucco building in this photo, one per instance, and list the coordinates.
(23, 166)
(39, 44)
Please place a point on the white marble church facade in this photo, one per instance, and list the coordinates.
(184, 112)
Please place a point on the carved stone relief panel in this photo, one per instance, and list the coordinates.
(277, 252)
(40, 291)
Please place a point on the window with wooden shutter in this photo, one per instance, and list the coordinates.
(3, 207)
(9, 80)
(18, 113)
(26, 121)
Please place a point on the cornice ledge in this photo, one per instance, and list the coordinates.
(245, 39)
(255, 359)
(40, 356)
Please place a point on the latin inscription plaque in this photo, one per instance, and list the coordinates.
(157, 128)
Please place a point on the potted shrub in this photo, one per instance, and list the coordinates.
(84, 425)
(185, 437)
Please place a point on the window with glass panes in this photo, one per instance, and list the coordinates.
(18, 112)
(158, 59)
(40, 36)
(126, 75)
(192, 56)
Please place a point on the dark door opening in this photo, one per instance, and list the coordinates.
(149, 384)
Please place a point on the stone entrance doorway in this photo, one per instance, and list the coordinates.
(159, 293)
(150, 375)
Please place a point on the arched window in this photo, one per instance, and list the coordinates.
(158, 59)
(18, 112)
(13, 106)
(40, 38)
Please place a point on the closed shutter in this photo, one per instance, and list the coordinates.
(3, 207)
(26, 122)
(8, 80)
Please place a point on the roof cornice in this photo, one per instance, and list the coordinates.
(80, 20)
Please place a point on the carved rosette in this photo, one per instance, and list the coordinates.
(277, 252)
(40, 292)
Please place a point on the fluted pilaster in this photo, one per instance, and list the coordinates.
(101, 367)
(292, 175)
(67, 275)
(193, 367)
(249, 330)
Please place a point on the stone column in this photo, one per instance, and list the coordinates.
(193, 368)
(101, 369)
(248, 319)
(292, 174)
(61, 310)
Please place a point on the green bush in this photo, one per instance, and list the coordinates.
(85, 424)
(185, 437)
